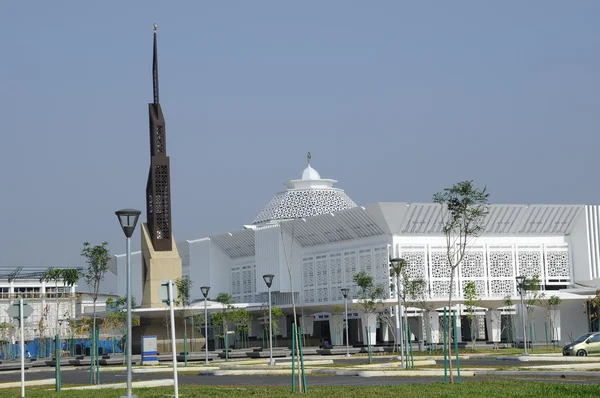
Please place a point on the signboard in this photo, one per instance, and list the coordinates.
(13, 310)
(149, 350)
(163, 292)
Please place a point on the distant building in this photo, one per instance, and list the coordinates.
(53, 303)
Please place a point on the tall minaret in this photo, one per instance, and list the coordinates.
(158, 189)
(160, 258)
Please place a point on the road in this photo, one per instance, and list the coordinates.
(81, 376)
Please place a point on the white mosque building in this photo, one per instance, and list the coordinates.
(314, 238)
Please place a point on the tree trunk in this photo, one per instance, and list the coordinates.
(57, 305)
(93, 347)
(399, 329)
(448, 324)
(185, 332)
(474, 332)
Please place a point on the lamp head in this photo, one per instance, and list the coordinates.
(268, 279)
(345, 292)
(204, 290)
(397, 262)
(128, 219)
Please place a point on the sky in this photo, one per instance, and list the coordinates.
(394, 99)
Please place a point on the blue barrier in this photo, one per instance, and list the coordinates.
(37, 348)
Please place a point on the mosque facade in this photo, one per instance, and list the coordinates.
(314, 239)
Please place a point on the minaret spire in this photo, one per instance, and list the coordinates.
(155, 69)
(158, 189)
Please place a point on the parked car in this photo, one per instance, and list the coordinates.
(584, 345)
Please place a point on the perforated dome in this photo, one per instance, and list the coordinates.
(307, 197)
(298, 203)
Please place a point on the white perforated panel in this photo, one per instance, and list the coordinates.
(299, 203)
(557, 264)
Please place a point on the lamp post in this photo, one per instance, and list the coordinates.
(128, 219)
(269, 281)
(522, 289)
(396, 267)
(345, 291)
(204, 290)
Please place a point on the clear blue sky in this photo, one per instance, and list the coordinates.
(394, 99)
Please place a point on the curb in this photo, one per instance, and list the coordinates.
(28, 383)
(247, 372)
(564, 375)
(535, 358)
(135, 384)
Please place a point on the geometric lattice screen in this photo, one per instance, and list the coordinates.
(324, 275)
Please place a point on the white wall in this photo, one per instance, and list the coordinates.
(579, 241)
(209, 266)
(269, 256)
(199, 268)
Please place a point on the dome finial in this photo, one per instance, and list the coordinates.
(308, 157)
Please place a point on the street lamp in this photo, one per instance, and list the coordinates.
(396, 266)
(269, 281)
(128, 219)
(345, 291)
(204, 290)
(522, 289)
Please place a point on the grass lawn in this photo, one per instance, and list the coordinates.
(500, 389)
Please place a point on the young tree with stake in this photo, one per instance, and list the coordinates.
(370, 296)
(97, 259)
(472, 300)
(464, 208)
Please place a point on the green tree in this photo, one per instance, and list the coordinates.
(370, 297)
(509, 303)
(242, 320)
(6, 329)
(551, 306)
(407, 289)
(276, 315)
(593, 310)
(117, 316)
(220, 320)
(184, 289)
(97, 259)
(54, 275)
(464, 208)
(534, 296)
(472, 300)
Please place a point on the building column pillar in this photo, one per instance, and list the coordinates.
(433, 318)
(372, 323)
(494, 327)
(385, 331)
(555, 325)
(458, 326)
(336, 327)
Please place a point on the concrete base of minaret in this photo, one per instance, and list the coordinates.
(157, 266)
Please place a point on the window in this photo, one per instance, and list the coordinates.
(53, 292)
(27, 292)
(4, 292)
(595, 339)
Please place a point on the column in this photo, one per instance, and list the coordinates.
(433, 324)
(494, 327)
(372, 323)
(336, 329)
(555, 325)
(458, 326)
